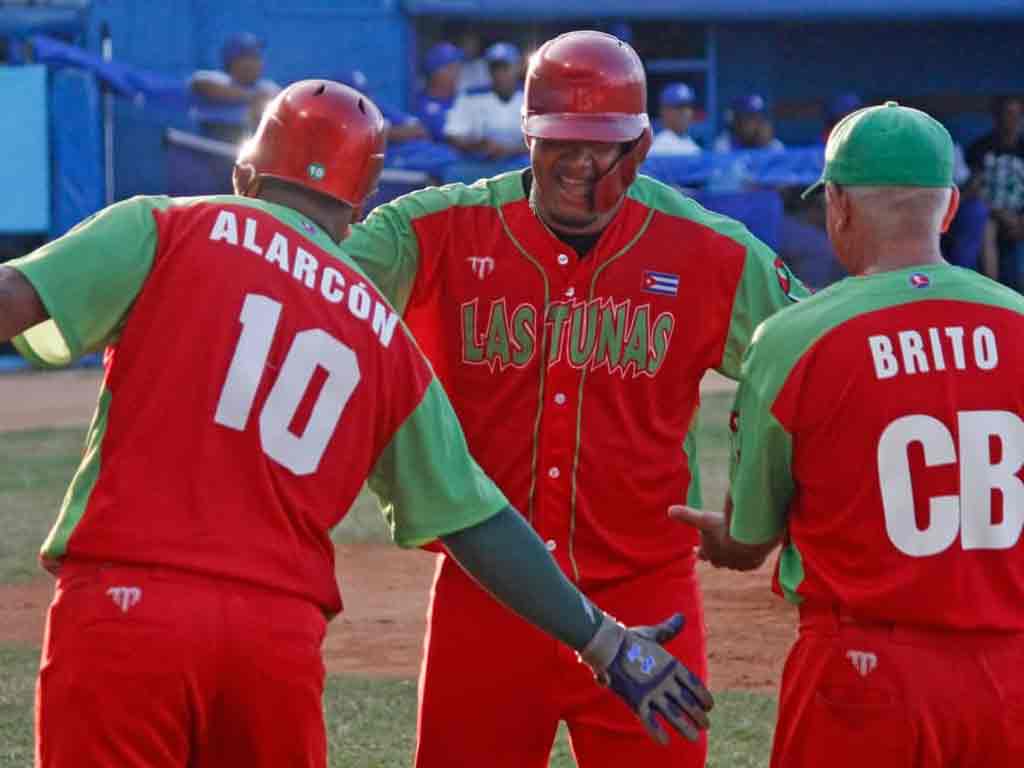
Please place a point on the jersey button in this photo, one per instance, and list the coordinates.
(559, 398)
(551, 544)
(554, 473)
(563, 259)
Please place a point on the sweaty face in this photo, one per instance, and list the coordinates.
(505, 78)
(677, 118)
(748, 129)
(246, 70)
(565, 174)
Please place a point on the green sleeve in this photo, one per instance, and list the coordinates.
(88, 280)
(761, 480)
(384, 246)
(428, 484)
(766, 286)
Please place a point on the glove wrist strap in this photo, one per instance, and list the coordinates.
(603, 647)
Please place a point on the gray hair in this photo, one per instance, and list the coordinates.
(902, 209)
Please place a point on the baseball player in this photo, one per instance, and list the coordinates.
(254, 379)
(880, 433)
(584, 302)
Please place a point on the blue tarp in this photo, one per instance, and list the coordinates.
(18, 21)
(76, 145)
(149, 89)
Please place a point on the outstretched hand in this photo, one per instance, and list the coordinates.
(650, 679)
(711, 525)
(716, 545)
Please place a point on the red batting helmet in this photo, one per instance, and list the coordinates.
(590, 86)
(320, 135)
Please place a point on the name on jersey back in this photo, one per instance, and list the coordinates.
(306, 269)
(935, 349)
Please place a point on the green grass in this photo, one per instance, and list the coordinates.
(17, 689)
(371, 723)
(35, 467)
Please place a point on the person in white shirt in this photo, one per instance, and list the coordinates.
(750, 126)
(676, 114)
(230, 101)
(488, 123)
(475, 75)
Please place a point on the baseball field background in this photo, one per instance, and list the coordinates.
(374, 648)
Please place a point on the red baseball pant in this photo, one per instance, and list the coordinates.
(889, 696)
(493, 689)
(154, 668)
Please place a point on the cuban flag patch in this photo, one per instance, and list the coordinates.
(663, 283)
(920, 280)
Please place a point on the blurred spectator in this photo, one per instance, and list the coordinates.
(997, 164)
(676, 114)
(231, 101)
(488, 123)
(401, 126)
(442, 66)
(838, 107)
(750, 126)
(475, 74)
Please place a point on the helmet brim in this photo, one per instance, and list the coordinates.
(611, 127)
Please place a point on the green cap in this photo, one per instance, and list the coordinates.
(888, 146)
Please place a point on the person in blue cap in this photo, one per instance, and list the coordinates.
(676, 114)
(488, 122)
(441, 66)
(750, 126)
(401, 126)
(837, 107)
(230, 100)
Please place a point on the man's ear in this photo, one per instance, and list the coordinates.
(954, 206)
(838, 204)
(245, 180)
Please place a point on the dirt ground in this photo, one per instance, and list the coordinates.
(386, 589)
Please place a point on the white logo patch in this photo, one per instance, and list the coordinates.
(863, 661)
(125, 597)
(482, 266)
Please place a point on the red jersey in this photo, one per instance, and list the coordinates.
(254, 380)
(576, 378)
(880, 425)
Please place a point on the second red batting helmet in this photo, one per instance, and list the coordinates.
(321, 135)
(590, 86)
(585, 85)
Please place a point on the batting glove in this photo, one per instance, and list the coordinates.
(632, 663)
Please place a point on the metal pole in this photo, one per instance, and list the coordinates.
(107, 51)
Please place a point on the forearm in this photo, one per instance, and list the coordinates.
(219, 92)
(466, 144)
(20, 306)
(508, 559)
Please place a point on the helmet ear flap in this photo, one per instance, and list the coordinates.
(613, 185)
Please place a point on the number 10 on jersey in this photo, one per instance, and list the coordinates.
(310, 350)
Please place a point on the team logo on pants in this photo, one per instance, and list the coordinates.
(125, 597)
(863, 661)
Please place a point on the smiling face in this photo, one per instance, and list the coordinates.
(565, 174)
